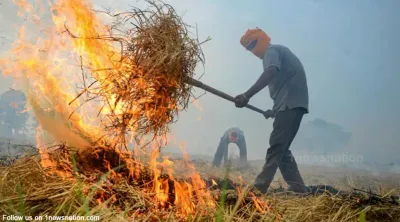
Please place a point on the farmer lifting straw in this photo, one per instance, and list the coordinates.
(286, 79)
(232, 135)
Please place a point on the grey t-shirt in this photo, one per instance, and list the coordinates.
(289, 87)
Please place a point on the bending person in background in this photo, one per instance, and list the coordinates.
(232, 135)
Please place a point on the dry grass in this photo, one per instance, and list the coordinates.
(27, 189)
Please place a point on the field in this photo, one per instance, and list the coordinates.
(94, 79)
(28, 189)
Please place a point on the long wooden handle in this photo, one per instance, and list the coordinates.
(216, 92)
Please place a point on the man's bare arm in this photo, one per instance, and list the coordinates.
(262, 82)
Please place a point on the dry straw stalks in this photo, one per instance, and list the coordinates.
(147, 83)
(28, 189)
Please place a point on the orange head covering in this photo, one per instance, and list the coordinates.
(233, 136)
(256, 41)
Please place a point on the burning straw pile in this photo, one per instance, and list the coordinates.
(147, 85)
(26, 188)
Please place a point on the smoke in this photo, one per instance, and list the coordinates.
(321, 136)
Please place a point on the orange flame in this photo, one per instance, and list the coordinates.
(260, 205)
(48, 71)
(39, 68)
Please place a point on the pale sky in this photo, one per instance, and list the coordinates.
(348, 48)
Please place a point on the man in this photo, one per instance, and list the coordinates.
(285, 77)
(232, 135)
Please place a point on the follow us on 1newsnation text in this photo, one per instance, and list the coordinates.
(49, 218)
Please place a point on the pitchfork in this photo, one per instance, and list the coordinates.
(197, 83)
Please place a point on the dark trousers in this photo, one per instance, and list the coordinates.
(285, 127)
(222, 151)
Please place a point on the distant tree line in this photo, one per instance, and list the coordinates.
(321, 136)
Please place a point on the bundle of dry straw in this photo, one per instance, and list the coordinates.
(148, 83)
